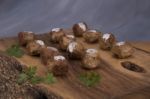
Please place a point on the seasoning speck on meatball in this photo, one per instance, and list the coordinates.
(79, 29)
(122, 50)
(91, 59)
(40, 42)
(91, 51)
(106, 41)
(71, 46)
(91, 36)
(75, 50)
(71, 36)
(47, 54)
(106, 36)
(59, 57)
(58, 65)
(56, 34)
(56, 29)
(82, 25)
(52, 48)
(120, 43)
(35, 47)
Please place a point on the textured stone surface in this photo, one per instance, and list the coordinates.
(9, 89)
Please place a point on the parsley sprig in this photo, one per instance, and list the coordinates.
(30, 75)
(90, 79)
(49, 79)
(15, 50)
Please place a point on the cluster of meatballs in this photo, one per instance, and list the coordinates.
(90, 57)
(50, 56)
(106, 41)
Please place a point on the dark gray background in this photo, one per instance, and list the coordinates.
(127, 19)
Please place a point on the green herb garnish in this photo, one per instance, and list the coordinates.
(49, 79)
(90, 78)
(15, 50)
(36, 80)
(22, 78)
(29, 74)
(30, 71)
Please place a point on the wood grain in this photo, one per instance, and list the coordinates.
(116, 83)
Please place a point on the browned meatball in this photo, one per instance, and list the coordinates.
(58, 65)
(47, 53)
(56, 34)
(91, 36)
(79, 29)
(64, 42)
(75, 50)
(106, 41)
(122, 49)
(34, 47)
(91, 59)
(25, 37)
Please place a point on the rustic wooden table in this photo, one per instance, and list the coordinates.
(117, 82)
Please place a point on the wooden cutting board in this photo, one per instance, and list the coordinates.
(117, 82)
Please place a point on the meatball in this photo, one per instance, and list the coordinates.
(71, 36)
(91, 36)
(64, 42)
(25, 37)
(122, 50)
(79, 29)
(56, 34)
(34, 47)
(106, 41)
(91, 59)
(75, 50)
(47, 53)
(58, 65)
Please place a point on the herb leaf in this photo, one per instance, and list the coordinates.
(15, 50)
(36, 80)
(31, 71)
(29, 74)
(49, 79)
(22, 78)
(90, 78)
